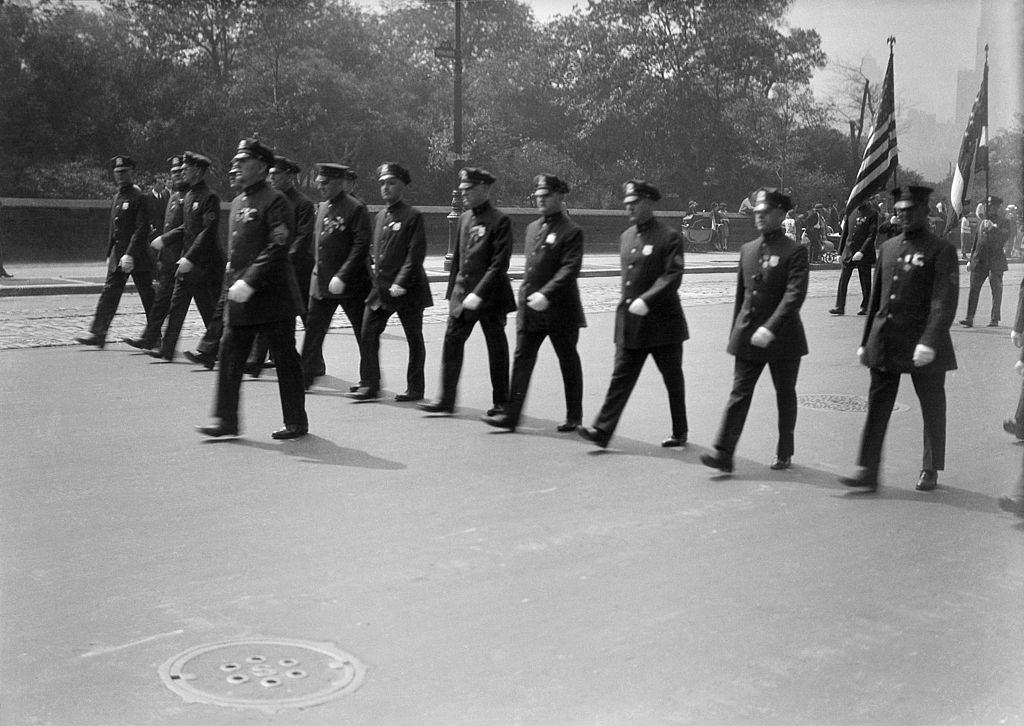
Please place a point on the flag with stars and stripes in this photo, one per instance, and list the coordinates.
(974, 146)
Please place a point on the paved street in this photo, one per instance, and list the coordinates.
(492, 578)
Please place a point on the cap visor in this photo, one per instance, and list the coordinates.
(903, 204)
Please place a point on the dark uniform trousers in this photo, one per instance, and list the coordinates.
(628, 364)
(453, 350)
(930, 386)
(745, 374)
(995, 281)
(527, 346)
(110, 297)
(374, 323)
(204, 287)
(318, 320)
(210, 344)
(864, 273)
(235, 347)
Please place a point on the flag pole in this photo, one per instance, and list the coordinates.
(987, 160)
(891, 40)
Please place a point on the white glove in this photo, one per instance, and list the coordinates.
(336, 286)
(537, 301)
(472, 301)
(923, 355)
(762, 337)
(127, 264)
(396, 291)
(240, 291)
(185, 266)
(857, 256)
(1017, 339)
(639, 307)
(158, 243)
(1019, 367)
(861, 355)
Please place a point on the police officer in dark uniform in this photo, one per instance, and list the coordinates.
(479, 289)
(127, 252)
(857, 250)
(341, 273)
(649, 319)
(399, 285)
(200, 266)
(168, 250)
(549, 304)
(263, 296)
(770, 288)
(987, 259)
(913, 303)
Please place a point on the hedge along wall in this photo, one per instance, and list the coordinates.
(75, 230)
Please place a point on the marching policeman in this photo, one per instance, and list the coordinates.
(767, 331)
(200, 268)
(341, 272)
(913, 303)
(478, 290)
(549, 304)
(127, 252)
(262, 296)
(168, 250)
(857, 250)
(649, 320)
(399, 286)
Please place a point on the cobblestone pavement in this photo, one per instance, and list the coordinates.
(34, 322)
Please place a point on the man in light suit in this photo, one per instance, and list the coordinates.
(913, 303)
(549, 304)
(649, 320)
(770, 289)
(478, 290)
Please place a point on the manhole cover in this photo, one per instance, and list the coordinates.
(269, 675)
(838, 402)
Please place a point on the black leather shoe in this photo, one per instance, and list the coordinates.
(967, 323)
(157, 353)
(1014, 505)
(837, 311)
(928, 480)
(253, 368)
(91, 340)
(781, 463)
(1010, 427)
(217, 430)
(364, 393)
(862, 311)
(992, 324)
(496, 410)
(140, 343)
(719, 460)
(407, 397)
(863, 479)
(501, 421)
(206, 361)
(436, 407)
(353, 389)
(674, 441)
(569, 425)
(290, 431)
(594, 435)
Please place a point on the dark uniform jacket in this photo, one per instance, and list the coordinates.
(554, 255)
(861, 239)
(259, 236)
(156, 203)
(399, 248)
(171, 236)
(201, 229)
(770, 288)
(480, 263)
(913, 300)
(129, 229)
(342, 247)
(652, 268)
(988, 250)
(301, 252)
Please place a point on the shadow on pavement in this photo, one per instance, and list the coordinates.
(315, 449)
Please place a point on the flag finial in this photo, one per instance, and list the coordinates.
(891, 40)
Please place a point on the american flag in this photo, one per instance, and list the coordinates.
(880, 156)
(975, 144)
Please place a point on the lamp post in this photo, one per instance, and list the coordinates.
(447, 52)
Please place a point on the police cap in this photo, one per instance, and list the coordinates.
(639, 189)
(549, 184)
(253, 149)
(910, 196)
(771, 198)
(122, 161)
(392, 170)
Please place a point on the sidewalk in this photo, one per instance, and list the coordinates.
(71, 278)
